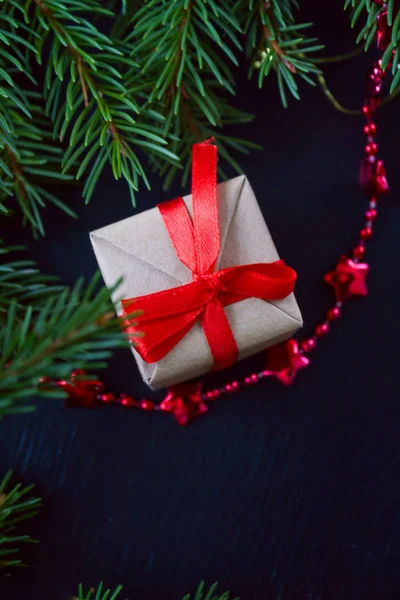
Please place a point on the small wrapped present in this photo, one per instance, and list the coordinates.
(205, 274)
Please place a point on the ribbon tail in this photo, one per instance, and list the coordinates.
(164, 318)
(156, 344)
(267, 281)
(219, 335)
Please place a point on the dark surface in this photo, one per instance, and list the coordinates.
(288, 493)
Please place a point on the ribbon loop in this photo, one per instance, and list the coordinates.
(167, 316)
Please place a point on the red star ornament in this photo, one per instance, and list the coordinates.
(184, 401)
(284, 360)
(82, 393)
(348, 279)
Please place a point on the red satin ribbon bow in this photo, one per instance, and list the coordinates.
(167, 316)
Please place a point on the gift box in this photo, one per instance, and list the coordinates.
(205, 274)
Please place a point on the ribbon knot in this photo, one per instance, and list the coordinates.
(167, 316)
(213, 280)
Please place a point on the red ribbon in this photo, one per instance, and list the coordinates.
(167, 316)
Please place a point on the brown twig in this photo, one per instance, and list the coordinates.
(82, 80)
(272, 42)
(17, 172)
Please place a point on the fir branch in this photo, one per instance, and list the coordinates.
(177, 44)
(74, 329)
(16, 505)
(357, 8)
(276, 42)
(100, 593)
(15, 50)
(184, 49)
(87, 98)
(190, 127)
(29, 157)
(21, 282)
(209, 594)
(371, 13)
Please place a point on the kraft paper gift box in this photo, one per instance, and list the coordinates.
(139, 250)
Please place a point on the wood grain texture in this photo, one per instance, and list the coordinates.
(280, 493)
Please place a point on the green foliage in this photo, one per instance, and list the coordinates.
(21, 282)
(48, 329)
(126, 80)
(100, 593)
(87, 98)
(27, 156)
(210, 594)
(16, 505)
(369, 11)
(185, 52)
(275, 41)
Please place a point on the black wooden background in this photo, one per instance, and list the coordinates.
(279, 493)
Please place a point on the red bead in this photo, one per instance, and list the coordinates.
(126, 401)
(210, 395)
(366, 130)
(333, 313)
(248, 380)
(322, 329)
(107, 398)
(365, 110)
(308, 345)
(254, 378)
(146, 405)
(232, 387)
(216, 393)
(359, 251)
(371, 214)
(366, 233)
(44, 380)
(371, 149)
(372, 129)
